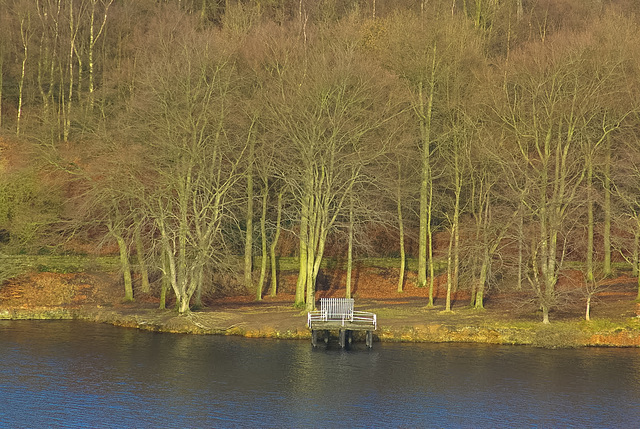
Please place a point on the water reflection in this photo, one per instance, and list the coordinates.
(74, 374)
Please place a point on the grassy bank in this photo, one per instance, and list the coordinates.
(68, 287)
(287, 323)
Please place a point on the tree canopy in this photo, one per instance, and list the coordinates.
(509, 126)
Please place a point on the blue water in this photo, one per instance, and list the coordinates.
(74, 374)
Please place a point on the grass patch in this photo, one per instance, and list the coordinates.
(610, 326)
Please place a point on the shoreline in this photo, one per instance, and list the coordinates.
(291, 324)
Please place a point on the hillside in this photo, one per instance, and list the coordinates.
(497, 138)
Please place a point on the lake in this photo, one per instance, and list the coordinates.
(80, 374)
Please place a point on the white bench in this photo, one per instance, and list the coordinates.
(338, 309)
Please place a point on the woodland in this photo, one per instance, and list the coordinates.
(494, 142)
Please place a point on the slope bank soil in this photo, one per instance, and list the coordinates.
(508, 318)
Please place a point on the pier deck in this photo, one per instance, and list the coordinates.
(338, 314)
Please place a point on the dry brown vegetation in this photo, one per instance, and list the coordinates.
(374, 290)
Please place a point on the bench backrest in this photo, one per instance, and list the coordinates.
(337, 308)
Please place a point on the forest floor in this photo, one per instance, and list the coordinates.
(508, 317)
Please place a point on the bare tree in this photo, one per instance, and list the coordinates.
(546, 112)
(329, 117)
(422, 53)
(185, 93)
(26, 32)
(75, 17)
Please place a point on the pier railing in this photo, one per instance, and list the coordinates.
(339, 312)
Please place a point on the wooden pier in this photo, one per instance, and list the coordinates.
(337, 314)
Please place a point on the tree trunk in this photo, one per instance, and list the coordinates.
(349, 250)
(301, 284)
(607, 209)
(550, 225)
(482, 280)
(80, 72)
(248, 240)
(73, 31)
(636, 252)
(142, 266)
(476, 259)
(183, 304)
(317, 237)
(447, 306)
(50, 57)
(163, 293)
(486, 258)
(314, 239)
(165, 281)
(545, 314)
(125, 266)
(432, 263)
(453, 259)
(425, 114)
(456, 238)
(178, 270)
(93, 38)
(166, 278)
(520, 244)
(310, 280)
(197, 278)
(590, 221)
(1, 70)
(401, 239)
(274, 244)
(25, 37)
(92, 41)
(317, 260)
(588, 310)
(43, 95)
(425, 243)
(635, 259)
(263, 234)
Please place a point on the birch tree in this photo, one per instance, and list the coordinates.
(97, 23)
(74, 21)
(26, 32)
(49, 13)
